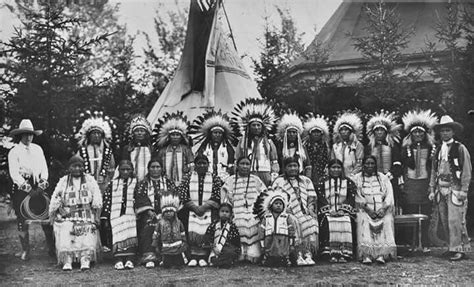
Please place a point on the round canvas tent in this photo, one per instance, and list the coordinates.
(210, 73)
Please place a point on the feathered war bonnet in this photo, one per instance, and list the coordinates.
(251, 110)
(386, 121)
(169, 201)
(350, 120)
(264, 202)
(138, 121)
(318, 122)
(289, 121)
(170, 123)
(94, 121)
(203, 126)
(424, 120)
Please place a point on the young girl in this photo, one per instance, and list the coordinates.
(170, 237)
(223, 237)
(277, 231)
(118, 212)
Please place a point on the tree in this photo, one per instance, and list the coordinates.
(111, 66)
(162, 58)
(452, 63)
(280, 46)
(41, 78)
(385, 83)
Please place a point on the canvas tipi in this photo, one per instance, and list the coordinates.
(210, 73)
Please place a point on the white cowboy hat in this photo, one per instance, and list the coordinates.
(26, 126)
(447, 121)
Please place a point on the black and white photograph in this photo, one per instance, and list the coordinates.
(236, 142)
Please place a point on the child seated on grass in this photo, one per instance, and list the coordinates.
(223, 238)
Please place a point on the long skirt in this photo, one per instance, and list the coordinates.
(197, 227)
(376, 237)
(75, 240)
(307, 230)
(247, 224)
(336, 236)
(124, 235)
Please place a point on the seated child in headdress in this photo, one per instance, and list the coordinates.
(223, 237)
(277, 231)
(169, 237)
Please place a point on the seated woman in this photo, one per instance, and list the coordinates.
(148, 197)
(74, 208)
(375, 223)
(118, 215)
(336, 199)
(302, 205)
(241, 191)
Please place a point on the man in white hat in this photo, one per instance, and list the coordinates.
(449, 184)
(29, 173)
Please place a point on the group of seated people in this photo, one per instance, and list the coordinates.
(199, 195)
(207, 221)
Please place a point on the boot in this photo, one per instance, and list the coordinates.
(25, 247)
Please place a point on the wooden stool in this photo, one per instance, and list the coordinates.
(413, 220)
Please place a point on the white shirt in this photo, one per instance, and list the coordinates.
(27, 161)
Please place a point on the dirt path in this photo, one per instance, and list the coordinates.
(42, 270)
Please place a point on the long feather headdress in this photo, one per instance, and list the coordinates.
(387, 121)
(203, 125)
(89, 121)
(250, 110)
(170, 123)
(419, 119)
(350, 120)
(312, 122)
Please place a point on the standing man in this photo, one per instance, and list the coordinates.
(316, 142)
(94, 139)
(417, 154)
(347, 148)
(215, 138)
(289, 131)
(173, 146)
(139, 148)
(256, 120)
(29, 173)
(449, 184)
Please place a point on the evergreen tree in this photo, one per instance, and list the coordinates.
(41, 76)
(386, 83)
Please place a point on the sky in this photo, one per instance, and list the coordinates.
(246, 18)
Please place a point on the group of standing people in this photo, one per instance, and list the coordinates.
(222, 190)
